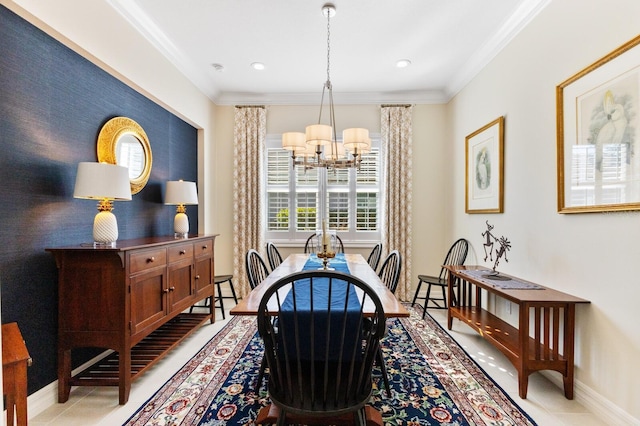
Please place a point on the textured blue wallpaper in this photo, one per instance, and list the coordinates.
(53, 103)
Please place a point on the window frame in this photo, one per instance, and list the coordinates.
(294, 237)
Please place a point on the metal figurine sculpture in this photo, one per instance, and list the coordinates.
(504, 246)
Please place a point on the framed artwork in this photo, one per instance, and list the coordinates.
(597, 134)
(484, 179)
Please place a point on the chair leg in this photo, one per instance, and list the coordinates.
(233, 291)
(415, 296)
(444, 297)
(263, 365)
(426, 300)
(383, 371)
(220, 299)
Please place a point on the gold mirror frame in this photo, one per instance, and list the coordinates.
(111, 133)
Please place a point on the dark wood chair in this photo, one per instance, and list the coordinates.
(456, 255)
(374, 256)
(312, 244)
(390, 270)
(390, 275)
(257, 270)
(320, 362)
(256, 273)
(219, 299)
(273, 255)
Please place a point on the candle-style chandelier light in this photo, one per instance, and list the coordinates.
(318, 145)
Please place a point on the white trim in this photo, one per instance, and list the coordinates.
(47, 396)
(601, 407)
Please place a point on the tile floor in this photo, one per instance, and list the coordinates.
(545, 402)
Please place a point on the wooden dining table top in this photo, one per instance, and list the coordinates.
(358, 267)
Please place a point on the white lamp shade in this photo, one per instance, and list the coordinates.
(319, 134)
(294, 141)
(335, 151)
(181, 192)
(356, 138)
(100, 181)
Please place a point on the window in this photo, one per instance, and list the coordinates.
(349, 198)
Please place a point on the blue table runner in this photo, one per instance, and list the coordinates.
(323, 303)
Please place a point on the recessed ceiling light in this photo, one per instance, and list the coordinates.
(403, 63)
(218, 67)
(257, 66)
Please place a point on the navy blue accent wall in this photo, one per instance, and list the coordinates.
(53, 103)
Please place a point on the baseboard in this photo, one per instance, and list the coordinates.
(44, 398)
(608, 412)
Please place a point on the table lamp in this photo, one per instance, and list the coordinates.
(181, 193)
(106, 183)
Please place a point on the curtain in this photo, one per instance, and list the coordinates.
(248, 233)
(396, 129)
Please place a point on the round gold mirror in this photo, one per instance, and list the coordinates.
(122, 141)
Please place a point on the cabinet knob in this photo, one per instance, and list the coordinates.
(151, 259)
(197, 277)
(204, 247)
(171, 288)
(166, 290)
(183, 252)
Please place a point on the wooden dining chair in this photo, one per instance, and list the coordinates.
(320, 361)
(256, 273)
(312, 244)
(456, 255)
(257, 269)
(390, 270)
(390, 275)
(374, 256)
(273, 256)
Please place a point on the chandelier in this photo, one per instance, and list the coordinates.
(318, 145)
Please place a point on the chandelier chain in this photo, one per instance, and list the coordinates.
(328, 47)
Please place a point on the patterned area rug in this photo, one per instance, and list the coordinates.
(433, 380)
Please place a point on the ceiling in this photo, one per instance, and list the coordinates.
(447, 41)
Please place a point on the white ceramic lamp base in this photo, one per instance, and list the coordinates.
(181, 225)
(105, 229)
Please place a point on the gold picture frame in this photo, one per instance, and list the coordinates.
(122, 141)
(598, 140)
(484, 172)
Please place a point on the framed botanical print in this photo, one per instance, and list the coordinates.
(484, 179)
(597, 113)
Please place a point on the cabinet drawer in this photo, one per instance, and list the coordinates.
(180, 252)
(147, 259)
(203, 248)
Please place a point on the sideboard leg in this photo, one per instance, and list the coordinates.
(64, 374)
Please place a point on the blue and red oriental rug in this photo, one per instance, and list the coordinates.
(433, 380)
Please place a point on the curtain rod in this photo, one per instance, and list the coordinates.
(250, 106)
(399, 105)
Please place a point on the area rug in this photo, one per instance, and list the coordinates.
(433, 381)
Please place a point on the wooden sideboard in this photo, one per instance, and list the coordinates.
(544, 338)
(131, 299)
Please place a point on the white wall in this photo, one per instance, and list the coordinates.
(593, 256)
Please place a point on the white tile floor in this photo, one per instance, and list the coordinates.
(545, 402)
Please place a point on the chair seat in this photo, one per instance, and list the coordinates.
(432, 280)
(222, 278)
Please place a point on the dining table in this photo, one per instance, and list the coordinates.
(296, 262)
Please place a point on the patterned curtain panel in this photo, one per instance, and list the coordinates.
(397, 153)
(248, 232)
